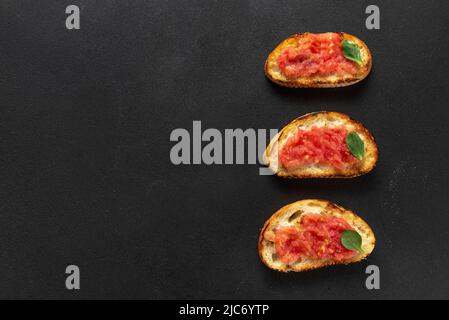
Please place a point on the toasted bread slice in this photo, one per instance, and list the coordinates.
(291, 215)
(274, 73)
(320, 119)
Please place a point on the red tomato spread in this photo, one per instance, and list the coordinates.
(316, 54)
(317, 237)
(322, 146)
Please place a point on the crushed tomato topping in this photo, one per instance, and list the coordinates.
(317, 237)
(316, 54)
(317, 146)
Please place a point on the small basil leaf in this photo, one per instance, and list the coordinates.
(356, 145)
(352, 52)
(351, 240)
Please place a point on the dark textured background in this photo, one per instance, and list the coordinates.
(85, 175)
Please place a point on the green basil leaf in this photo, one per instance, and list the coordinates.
(351, 240)
(356, 145)
(352, 52)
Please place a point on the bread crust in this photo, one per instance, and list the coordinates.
(325, 118)
(266, 248)
(273, 73)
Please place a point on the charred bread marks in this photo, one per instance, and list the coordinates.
(291, 216)
(336, 124)
(330, 75)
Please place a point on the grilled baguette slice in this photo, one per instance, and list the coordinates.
(319, 119)
(292, 214)
(274, 73)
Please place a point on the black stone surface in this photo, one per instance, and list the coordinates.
(85, 173)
